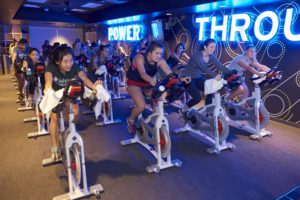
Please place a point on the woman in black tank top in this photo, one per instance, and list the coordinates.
(97, 61)
(140, 74)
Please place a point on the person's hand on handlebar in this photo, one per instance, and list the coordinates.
(261, 74)
(187, 80)
(98, 82)
(218, 77)
(47, 88)
(153, 82)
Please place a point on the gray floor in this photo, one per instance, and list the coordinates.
(255, 170)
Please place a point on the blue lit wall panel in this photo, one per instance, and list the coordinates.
(283, 100)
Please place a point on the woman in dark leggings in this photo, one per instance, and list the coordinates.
(30, 62)
(198, 63)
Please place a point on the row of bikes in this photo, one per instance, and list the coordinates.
(210, 123)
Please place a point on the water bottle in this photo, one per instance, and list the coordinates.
(28, 73)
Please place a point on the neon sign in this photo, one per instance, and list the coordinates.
(128, 32)
(240, 24)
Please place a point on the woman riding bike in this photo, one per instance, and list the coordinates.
(242, 63)
(198, 63)
(57, 74)
(30, 62)
(140, 74)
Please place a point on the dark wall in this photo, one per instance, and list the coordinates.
(282, 100)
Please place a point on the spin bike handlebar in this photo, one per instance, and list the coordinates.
(168, 84)
(272, 76)
(73, 89)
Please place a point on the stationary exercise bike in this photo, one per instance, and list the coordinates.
(71, 149)
(107, 110)
(114, 68)
(254, 112)
(208, 123)
(27, 99)
(153, 132)
(39, 116)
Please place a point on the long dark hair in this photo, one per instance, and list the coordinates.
(33, 49)
(180, 44)
(207, 42)
(59, 53)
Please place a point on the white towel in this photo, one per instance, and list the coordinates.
(101, 70)
(50, 100)
(212, 85)
(102, 95)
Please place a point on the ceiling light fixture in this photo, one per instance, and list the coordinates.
(77, 10)
(37, 1)
(91, 5)
(30, 6)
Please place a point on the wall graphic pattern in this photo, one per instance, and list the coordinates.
(282, 100)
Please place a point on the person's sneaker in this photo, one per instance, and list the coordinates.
(55, 155)
(21, 97)
(183, 115)
(130, 126)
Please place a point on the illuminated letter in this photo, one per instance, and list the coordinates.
(274, 23)
(115, 33)
(136, 31)
(201, 21)
(222, 28)
(122, 32)
(287, 26)
(241, 29)
(128, 32)
(110, 33)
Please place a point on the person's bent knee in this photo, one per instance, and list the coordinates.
(241, 89)
(54, 118)
(141, 107)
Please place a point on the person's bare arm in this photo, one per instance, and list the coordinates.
(87, 81)
(164, 67)
(95, 63)
(14, 55)
(48, 81)
(247, 67)
(185, 56)
(24, 65)
(261, 67)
